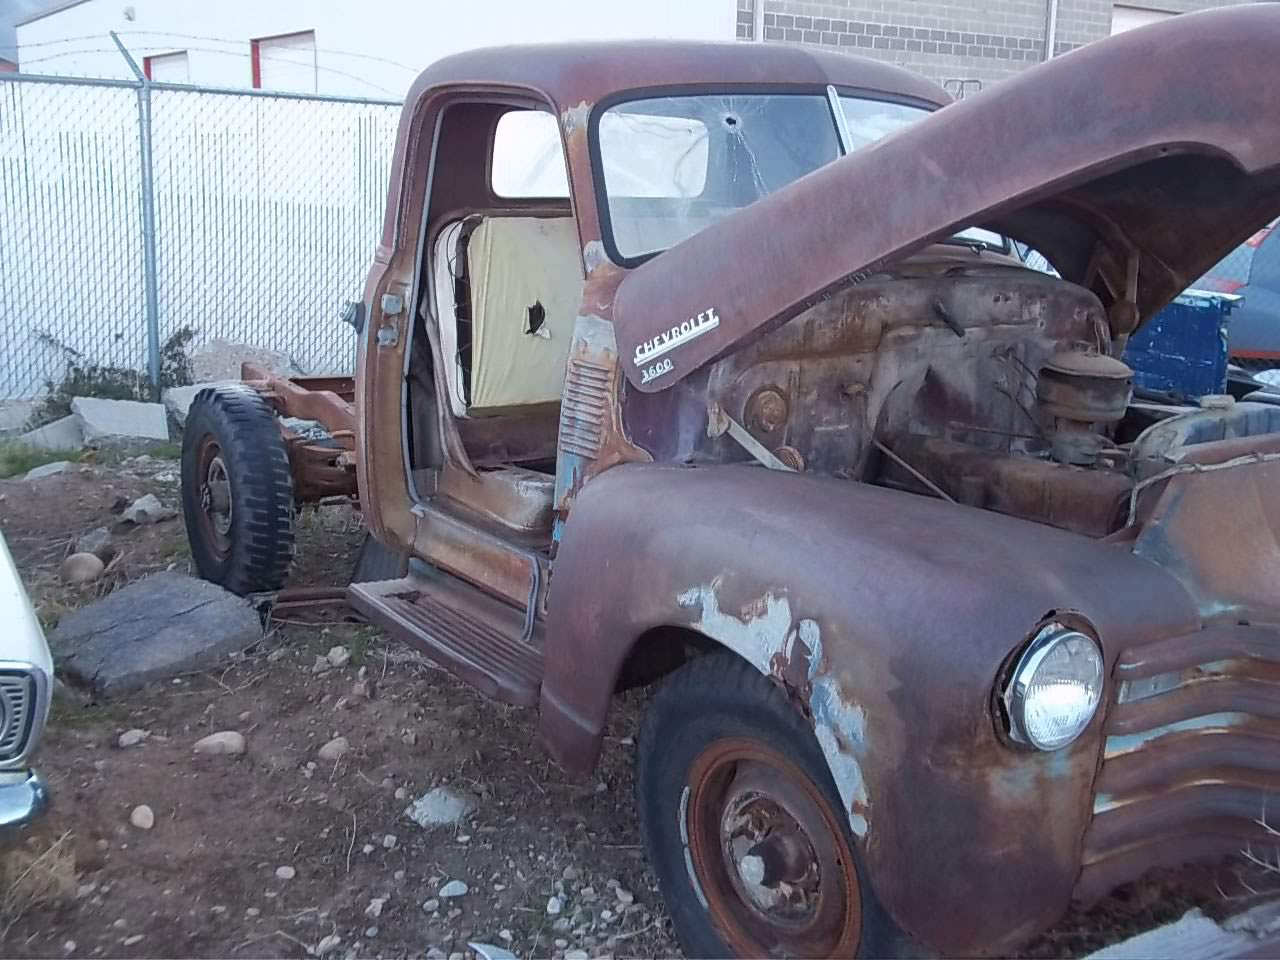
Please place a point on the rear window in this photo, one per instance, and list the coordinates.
(528, 159)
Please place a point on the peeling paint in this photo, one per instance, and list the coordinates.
(765, 629)
(575, 117)
(756, 639)
(593, 255)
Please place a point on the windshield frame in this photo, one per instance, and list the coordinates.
(821, 90)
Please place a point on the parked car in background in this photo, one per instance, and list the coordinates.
(26, 678)
(1252, 271)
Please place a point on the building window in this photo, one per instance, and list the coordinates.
(285, 62)
(1126, 18)
(167, 67)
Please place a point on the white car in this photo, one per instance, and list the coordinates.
(26, 678)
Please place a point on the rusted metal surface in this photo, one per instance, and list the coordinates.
(794, 573)
(1066, 181)
(1191, 753)
(780, 879)
(320, 470)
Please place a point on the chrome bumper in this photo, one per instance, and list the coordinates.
(20, 803)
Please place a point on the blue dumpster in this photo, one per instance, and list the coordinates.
(1181, 352)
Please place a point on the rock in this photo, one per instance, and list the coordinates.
(142, 817)
(487, 951)
(554, 906)
(625, 896)
(131, 738)
(506, 935)
(374, 909)
(457, 955)
(588, 894)
(389, 841)
(334, 749)
(136, 938)
(577, 954)
(147, 509)
(68, 946)
(398, 876)
(285, 873)
(561, 943)
(362, 689)
(251, 911)
(454, 888)
(221, 359)
(81, 568)
(367, 849)
(401, 793)
(98, 542)
(439, 807)
(328, 944)
(177, 400)
(435, 953)
(155, 628)
(104, 419)
(570, 873)
(223, 743)
(47, 470)
(63, 434)
(338, 657)
(321, 665)
(430, 906)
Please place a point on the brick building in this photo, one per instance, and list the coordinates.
(965, 44)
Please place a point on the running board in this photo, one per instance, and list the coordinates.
(476, 637)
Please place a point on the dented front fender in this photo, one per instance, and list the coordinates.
(888, 618)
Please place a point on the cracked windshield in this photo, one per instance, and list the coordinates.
(674, 165)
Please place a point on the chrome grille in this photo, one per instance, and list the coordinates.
(17, 713)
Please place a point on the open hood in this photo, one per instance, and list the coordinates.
(1134, 164)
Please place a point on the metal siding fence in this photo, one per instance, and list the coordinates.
(266, 208)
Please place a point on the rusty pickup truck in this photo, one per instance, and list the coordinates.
(712, 366)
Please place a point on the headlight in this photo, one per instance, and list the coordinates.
(1054, 690)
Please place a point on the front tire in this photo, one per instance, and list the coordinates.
(237, 491)
(743, 824)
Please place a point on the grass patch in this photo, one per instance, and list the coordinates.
(17, 457)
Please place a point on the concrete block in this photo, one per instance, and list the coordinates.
(14, 415)
(104, 419)
(66, 433)
(47, 470)
(153, 629)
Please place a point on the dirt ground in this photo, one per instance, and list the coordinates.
(207, 880)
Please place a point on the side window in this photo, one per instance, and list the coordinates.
(528, 161)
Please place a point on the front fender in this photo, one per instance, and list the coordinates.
(890, 616)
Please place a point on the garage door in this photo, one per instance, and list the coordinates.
(1126, 18)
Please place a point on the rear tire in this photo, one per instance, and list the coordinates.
(237, 491)
(732, 786)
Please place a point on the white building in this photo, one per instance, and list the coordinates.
(368, 48)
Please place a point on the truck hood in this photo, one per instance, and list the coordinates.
(1158, 148)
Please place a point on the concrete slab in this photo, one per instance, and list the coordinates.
(104, 419)
(14, 415)
(66, 433)
(153, 629)
(47, 470)
(177, 400)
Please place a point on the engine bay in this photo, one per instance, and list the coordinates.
(958, 375)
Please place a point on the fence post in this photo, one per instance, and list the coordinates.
(148, 220)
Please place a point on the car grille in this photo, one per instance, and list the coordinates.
(1191, 756)
(18, 704)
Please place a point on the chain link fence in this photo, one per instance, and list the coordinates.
(262, 211)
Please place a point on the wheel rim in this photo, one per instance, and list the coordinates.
(215, 496)
(768, 854)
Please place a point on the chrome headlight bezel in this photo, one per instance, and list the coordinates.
(1019, 678)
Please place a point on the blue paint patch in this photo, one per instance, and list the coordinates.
(1221, 722)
